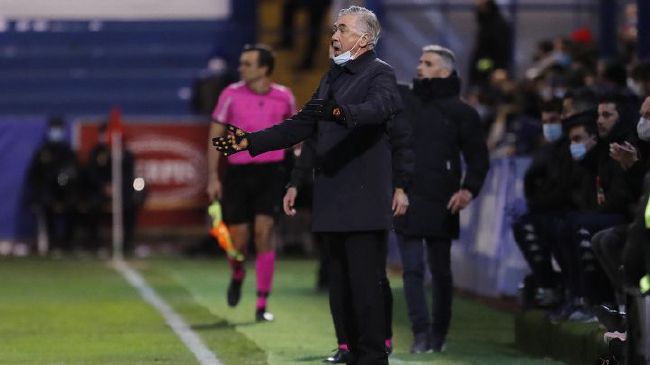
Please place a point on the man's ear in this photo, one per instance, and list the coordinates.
(364, 41)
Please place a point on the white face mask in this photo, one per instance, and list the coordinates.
(634, 86)
(56, 134)
(643, 129)
(345, 57)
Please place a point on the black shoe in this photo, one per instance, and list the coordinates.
(614, 321)
(562, 313)
(437, 343)
(421, 343)
(261, 315)
(339, 356)
(234, 292)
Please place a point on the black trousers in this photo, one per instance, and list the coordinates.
(538, 236)
(608, 245)
(439, 256)
(338, 311)
(593, 283)
(357, 264)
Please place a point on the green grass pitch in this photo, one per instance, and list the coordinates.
(83, 312)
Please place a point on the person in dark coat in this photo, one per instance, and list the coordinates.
(53, 177)
(606, 200)
(347, 117)
(444, 129)
(493, 48)
(399, 132)
(98, 190)
(549, 183)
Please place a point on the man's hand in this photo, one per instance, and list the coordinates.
(645, 108)
(625, 154)
(321, 109)
(460, 200)
(289, 200)
(214, 188)
(233, 142)
(400, 202)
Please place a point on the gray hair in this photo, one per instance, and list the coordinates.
(446, 55)
(366, 22)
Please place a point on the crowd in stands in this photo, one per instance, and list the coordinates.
(582, 223)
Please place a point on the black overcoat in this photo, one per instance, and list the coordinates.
(352, 182)
(444, 128)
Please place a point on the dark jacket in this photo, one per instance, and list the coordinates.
(352, 182)
(53, 176)
(493, 44)
(403, 159)
(444, 128)
(605, 174)
(98, 174)
(552, 178)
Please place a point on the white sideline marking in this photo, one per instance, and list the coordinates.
(191, 340)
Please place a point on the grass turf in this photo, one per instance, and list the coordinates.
(65, 312)
(83, 312)
(302, 332)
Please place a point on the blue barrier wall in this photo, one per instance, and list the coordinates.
(19, 138)
(486, 259)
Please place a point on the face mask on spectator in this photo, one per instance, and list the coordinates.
(643, 129)
(578, 150)
(552, 131)
(56, 134)
(635, 87)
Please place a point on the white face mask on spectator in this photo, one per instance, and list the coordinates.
(643, 129)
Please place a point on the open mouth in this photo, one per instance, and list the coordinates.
(337, 49)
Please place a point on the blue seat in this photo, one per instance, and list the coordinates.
(86, 67)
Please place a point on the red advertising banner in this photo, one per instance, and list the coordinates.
(171, 157)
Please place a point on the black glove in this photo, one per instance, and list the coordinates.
(234, 141)
(321, 109)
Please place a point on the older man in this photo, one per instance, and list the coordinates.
(347, 118)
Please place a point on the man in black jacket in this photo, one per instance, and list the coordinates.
(548, 183)
(347, 118)
(53, 177)
(605, 200)
(444, 128)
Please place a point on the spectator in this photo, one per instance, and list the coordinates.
(53, 177)
(317, 10)
(99, 190)
(548, 186)
(493, 47)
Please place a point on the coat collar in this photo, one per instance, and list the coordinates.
(437, 88)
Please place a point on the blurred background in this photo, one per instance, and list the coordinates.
(76, 76)
(154, 69)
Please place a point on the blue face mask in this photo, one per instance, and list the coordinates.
(346, 57)
(552, 131)
(56, 134)
(578, 151)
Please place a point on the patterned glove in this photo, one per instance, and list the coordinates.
(234, 141)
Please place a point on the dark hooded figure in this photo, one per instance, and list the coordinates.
(493, 47)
